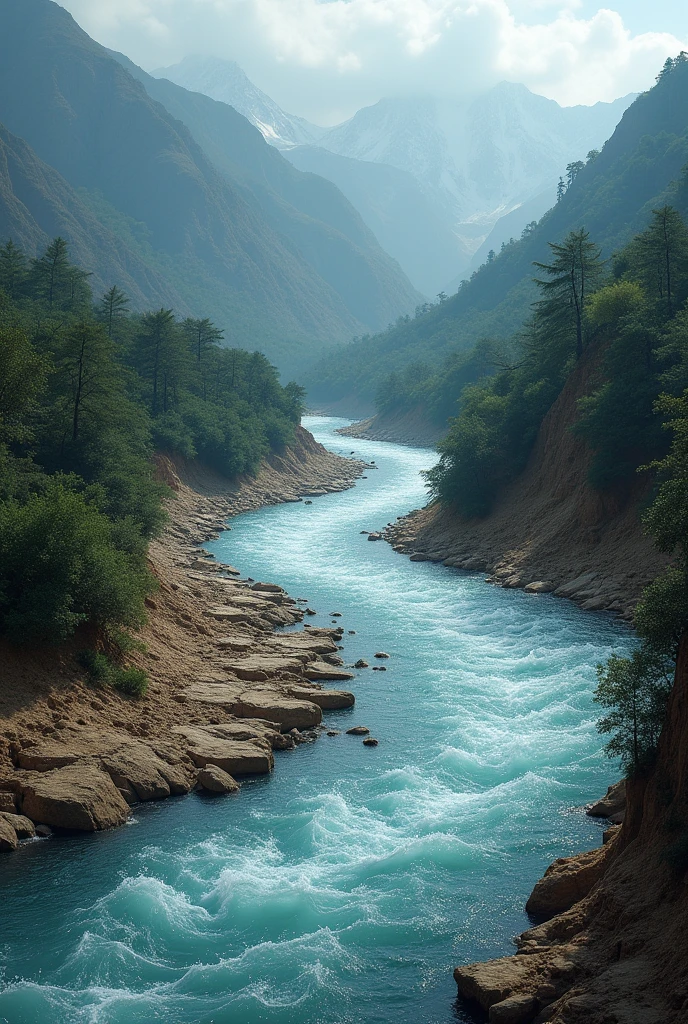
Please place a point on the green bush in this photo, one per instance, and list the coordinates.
(60, 566)
(132, 682)
(97, 665)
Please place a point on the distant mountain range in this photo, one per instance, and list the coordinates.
(208, 219)
(641, 167)
(468, 164)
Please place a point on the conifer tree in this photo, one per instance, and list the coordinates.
(13, 268)
(52, 271)
(114, 307)
(571, 276)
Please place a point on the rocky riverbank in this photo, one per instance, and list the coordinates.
(616, 949)
(410, 428)
(225, 690)
(549, 530)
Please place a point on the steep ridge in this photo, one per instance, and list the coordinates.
(549, 530)
(620, 954)
(37, 204)
(86, 116)
(396, 209)
(224, 80)
(308, 210)
(611, 197)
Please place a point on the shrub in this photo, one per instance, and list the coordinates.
(60, 566)
(132, 682)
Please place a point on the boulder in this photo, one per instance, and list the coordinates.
(374, 536)
(212, 745)
(361, 664)
(514, 1010)
(215, 780)
(539, 587)
(381, 654)
(370, 742)
(286, 712)
(8, 837)
(494, 981)
(358, 730)
(568, 880)
(612, 803)
(80, 797)
(8, 803)
(328, 700)
(23, 827)
(319, 671)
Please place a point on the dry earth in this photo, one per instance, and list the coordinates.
(225, 689)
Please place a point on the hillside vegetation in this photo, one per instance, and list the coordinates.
(88, 392)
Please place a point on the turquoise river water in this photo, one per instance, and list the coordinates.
(347, 886)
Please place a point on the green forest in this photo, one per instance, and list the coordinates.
(88, 392)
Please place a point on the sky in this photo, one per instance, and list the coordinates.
(324, 59)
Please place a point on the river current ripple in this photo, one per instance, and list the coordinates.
(345, 888)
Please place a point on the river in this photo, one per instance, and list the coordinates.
(347, 886)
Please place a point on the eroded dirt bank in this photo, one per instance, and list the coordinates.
(225, 690)
(620, 954)
(549, 530)
(411, 428)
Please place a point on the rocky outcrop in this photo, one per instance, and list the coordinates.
(568, 880)
(81, 797)
(620, 954)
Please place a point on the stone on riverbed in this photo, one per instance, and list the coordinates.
(81, 797)
(286, 712)
(328, 700)
(8, 837)
(215, 780)
(321, 671)
(207, 745)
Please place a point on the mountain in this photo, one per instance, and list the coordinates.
(612, 198)
(393, 204)
(308, 210)
(37, 205)
(475, 160)
(225, 81)
(482, 157)
(133, 163)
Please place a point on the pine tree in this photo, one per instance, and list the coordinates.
(573, 170)
(561, 190)
(575, 270)
(114, 307)
(13, 268)
(666, 69)
(85, 373)
(52, 271)
(161, 358)
(659, 256)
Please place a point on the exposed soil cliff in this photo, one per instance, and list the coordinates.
(620, 954)
(411, 427)
(549, 530)
(225, 690)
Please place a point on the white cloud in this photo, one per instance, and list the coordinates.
(325, 59)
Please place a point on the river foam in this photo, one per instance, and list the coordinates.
(345, 888)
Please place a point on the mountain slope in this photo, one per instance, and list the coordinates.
(86, 116)
(37, 204)
(612, 198)
(394, 206)
(310, 211)
(225, 81)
